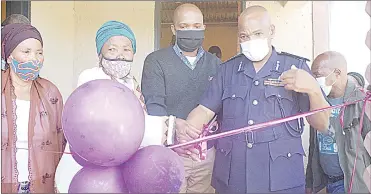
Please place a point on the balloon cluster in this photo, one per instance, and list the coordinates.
(103, 122)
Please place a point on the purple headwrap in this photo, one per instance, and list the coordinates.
(13, 34)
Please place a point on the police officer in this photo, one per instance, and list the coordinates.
(258, 86)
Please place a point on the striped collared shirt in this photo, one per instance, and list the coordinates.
(200, 53)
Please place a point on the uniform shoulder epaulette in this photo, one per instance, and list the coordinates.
(234, 57)
(294, 56)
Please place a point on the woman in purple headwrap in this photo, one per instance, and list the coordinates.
(32, 139)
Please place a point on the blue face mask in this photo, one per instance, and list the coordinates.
(27, 71)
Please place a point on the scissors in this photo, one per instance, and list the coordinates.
(201, 147)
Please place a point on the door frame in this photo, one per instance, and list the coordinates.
(16, 7)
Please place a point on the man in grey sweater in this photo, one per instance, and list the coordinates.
(174, 80)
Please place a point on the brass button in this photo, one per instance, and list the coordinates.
(256, 82)
(289, 155)
(255, 102)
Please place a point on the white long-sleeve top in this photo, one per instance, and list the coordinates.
(22, 111)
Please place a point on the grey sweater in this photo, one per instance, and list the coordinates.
(170, 87)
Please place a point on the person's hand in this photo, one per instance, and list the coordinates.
(308, 191)
(184, 131)
(300, 81)
(187, 151)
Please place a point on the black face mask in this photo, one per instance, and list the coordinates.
(189, 40)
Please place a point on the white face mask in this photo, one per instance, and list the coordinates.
(256, 49)
(322, 82)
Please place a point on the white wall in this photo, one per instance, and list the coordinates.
(348, 28)
(293, 26)
(55, 21)
(320, 17)
(69, 27)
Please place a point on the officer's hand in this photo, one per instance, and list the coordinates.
(299, 80)
(308, 191)
(185, 131)
(188, 152)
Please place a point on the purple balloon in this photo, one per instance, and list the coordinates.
(103, 122)
(98, 180)
(153, 169)
(79, 160)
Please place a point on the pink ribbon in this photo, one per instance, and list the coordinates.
(204, 137)
(259, 126)
(286, 119)
(367, 98)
